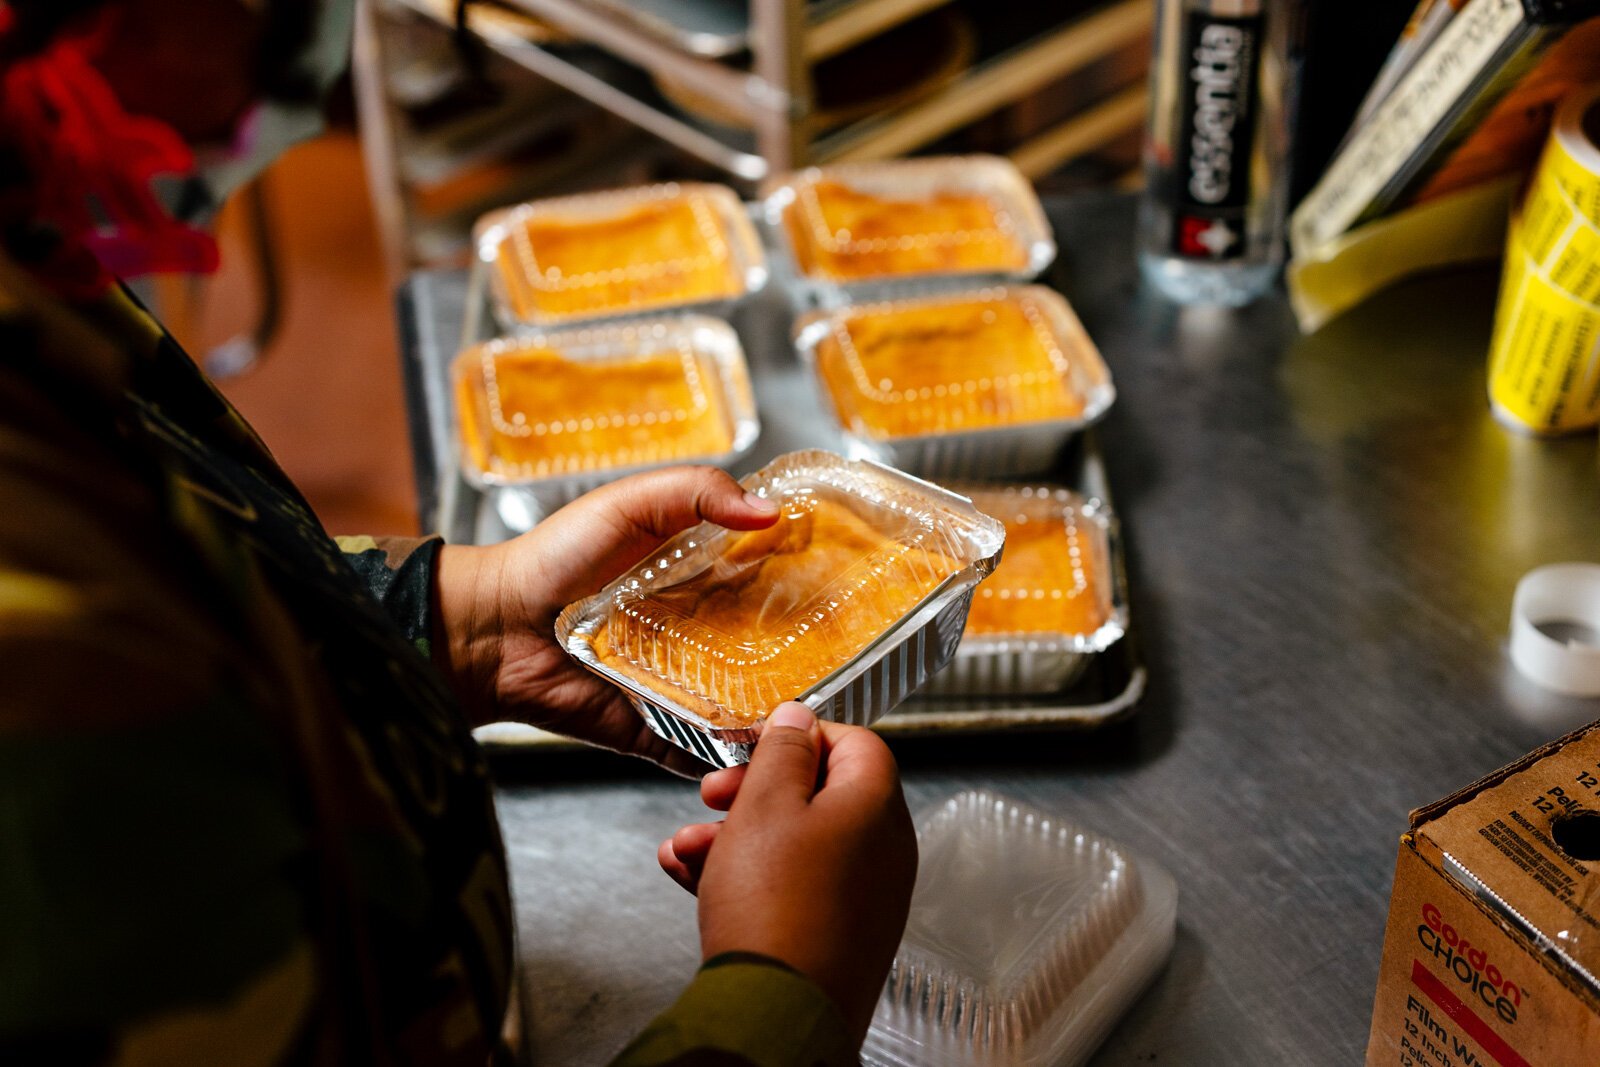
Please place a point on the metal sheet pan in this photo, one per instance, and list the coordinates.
(443, 311)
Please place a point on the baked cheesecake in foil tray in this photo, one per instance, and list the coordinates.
(982, 384)
(849, 602)
(619, 253)
(858, 231)
(1055, 602)
(553, 415)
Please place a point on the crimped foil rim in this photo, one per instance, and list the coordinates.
(579, 619)
(1109, 633)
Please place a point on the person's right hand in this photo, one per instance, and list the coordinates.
(811, 869)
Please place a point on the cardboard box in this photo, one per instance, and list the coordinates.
(1493, 942)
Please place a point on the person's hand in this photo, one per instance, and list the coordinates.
(497, 605)
(815, 862)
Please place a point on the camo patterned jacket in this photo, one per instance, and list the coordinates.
(241, 819)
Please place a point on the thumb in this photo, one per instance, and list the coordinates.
(783, 768)
(613, 527)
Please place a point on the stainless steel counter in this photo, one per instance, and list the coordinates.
(1323, 539)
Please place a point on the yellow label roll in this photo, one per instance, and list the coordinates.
(1542, 373)
(1544, 360)
(1571, 161)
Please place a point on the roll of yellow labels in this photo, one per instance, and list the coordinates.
(1544, 359)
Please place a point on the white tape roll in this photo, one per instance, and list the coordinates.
(1555, 628)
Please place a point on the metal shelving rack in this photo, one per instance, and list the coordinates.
(701, 44)
(408, 167)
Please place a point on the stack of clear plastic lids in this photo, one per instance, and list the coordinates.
(866, 223)
(621, 252)
(977, 384)
(1028, 939)
(1054, 601)
(575, 408)
(718, 627)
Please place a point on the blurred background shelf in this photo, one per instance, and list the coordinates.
(550, 96)
(715, 29)
(994, 82)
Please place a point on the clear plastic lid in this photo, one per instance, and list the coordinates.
(727, 625)
(609, 398)
(620, 252)
(952, 364)
(1028, 937)
(911, 218)
(1056, 583)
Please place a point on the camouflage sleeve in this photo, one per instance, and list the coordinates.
(152, 900)
(126, 946)
(399, 572)
(744, 1010)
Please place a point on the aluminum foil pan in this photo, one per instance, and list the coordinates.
(1007, 451)
(1021, 664)
(707, 348)
(723, 240)
(791, 201)
(680, 671)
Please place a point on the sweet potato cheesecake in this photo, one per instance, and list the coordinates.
(1054, 579)
(842, 232)
(727, 625)
(617, 253)
(532, 409)
(947, 365)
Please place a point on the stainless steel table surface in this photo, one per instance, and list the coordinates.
(1324, 534)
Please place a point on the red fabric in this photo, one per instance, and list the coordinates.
(89, 166)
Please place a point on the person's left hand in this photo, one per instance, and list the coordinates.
(497, 605)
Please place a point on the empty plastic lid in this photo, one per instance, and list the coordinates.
(1028, 938)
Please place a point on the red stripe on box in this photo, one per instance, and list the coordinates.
(1476, 1028)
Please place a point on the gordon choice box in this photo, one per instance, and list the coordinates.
(1493, 942)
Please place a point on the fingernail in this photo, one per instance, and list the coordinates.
(760, 503)
(793, 715)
